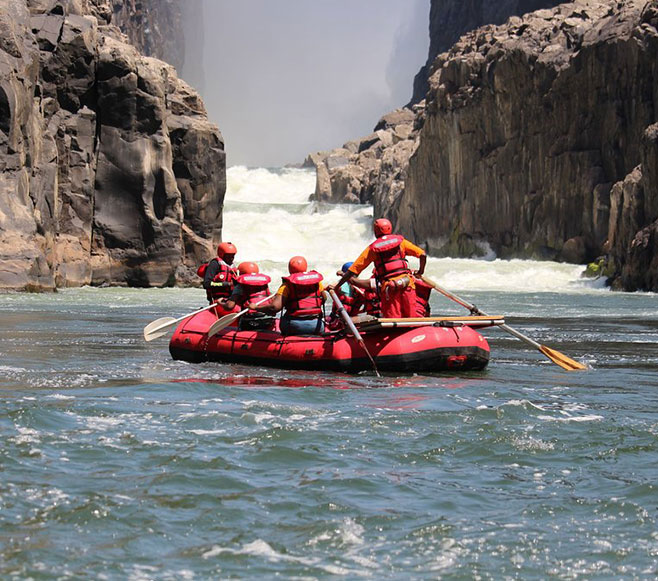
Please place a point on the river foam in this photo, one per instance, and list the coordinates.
(268, 216)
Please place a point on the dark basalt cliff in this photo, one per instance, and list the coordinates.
(450, 19)
(528, 127)
(536, 139)
(110, 171)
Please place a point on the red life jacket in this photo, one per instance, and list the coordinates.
(304, 298)
(201, 271)
(423, 292)
(352, 302)
(372, 303)
(389, 259)
(254, 288)
(226, 276)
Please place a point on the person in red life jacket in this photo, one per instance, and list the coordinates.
(350, 296)
(300, 299)
(423, 292)
(371, 303)
(219, 276)
(250, 287)
(392, 272)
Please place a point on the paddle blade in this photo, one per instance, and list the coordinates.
(220, 324)
(561, 359)
(158, 328)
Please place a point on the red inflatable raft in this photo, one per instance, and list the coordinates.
(397, 345)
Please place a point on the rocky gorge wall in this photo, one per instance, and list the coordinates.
(110, 172)
(528, 127)
(535, 139)
(450, 19)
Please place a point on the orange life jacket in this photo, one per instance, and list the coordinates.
(304, 298)
(254, 288)
(423, 292)
(389, 259)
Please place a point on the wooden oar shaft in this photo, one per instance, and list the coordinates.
(481, 322)
(555, 356)
(352, 327)
(521, 336)
(226, 320)
(428, 320)
(148, 332)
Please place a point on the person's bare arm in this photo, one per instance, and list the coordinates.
(273, 307)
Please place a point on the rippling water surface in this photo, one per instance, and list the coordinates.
(118, 463)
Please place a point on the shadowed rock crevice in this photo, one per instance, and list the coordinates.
(5, 112)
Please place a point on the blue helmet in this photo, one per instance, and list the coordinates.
(346, 266)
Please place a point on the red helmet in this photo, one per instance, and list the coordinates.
(248, 268)
(382, 226)
(297, 264)
(226, 248)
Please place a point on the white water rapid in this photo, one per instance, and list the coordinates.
(268, 217)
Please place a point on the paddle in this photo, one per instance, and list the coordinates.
(227, 320)
(343, 313)
(555, 356)
(159, 327)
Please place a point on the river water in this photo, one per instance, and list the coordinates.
(118, 463)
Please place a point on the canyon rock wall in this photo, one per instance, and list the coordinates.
(373, 169)
(110, 172)
(450, 19)
(154, 27)
(527, 129)
(535, 139)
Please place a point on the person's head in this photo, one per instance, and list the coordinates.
(248, 268)
(343, 269)
(297, 264)
(382, 226)
(226, 251)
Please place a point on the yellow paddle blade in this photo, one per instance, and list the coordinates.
(561, 359)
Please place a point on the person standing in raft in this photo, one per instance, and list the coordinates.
(394, 277)
(219, 276)
(300, 298)
(251, 286)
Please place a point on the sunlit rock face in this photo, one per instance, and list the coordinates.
(450, 19)
(110, 172)
(528, 126)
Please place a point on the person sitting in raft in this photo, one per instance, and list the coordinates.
(219, 276)
(394, 277)
(250, 287)
(350, 296)
(371, 302)
(300, 298)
